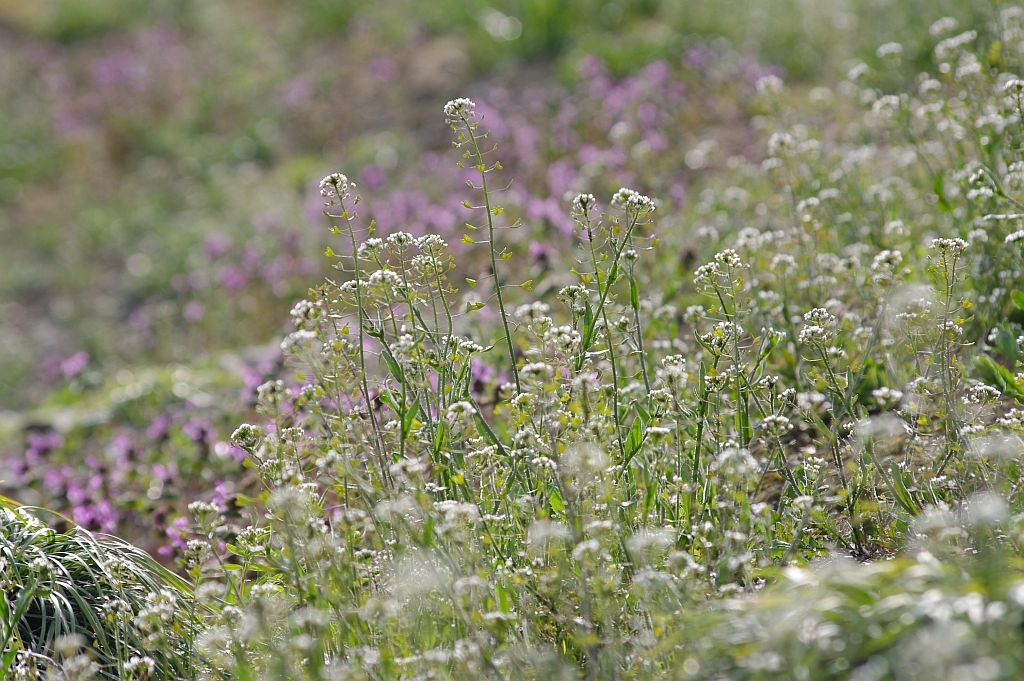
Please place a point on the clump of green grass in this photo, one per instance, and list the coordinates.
(76, 607)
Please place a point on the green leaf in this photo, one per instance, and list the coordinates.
(635, 440)
(385, 397)
(557, 505)
(440, 437)
(504, 602)
(428, 530)
(642, 412)
(1005, 342)
(999, 377)
(634, 294)
(396, 370)
(588, 329)
(903, 496)
(1018, 299)
(410, 416)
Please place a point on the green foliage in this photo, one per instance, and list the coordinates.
(76, 607)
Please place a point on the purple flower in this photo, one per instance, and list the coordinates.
(105, 516)
(384, 69)
(647, 113)
(194, 311)
(49, 368)
(76, 495)
(698, 58)
(159, 427)
(54, 480)
(165, 473)
(373, 177)
(562, 176)
(540, 252)
(217, 244)
(75, 364)
(177, 534)
(200, 431)
(38, 443)
(232, 278)
(221, 495)
(122, 67)
(656, 73)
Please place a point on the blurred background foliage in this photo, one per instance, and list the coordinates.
(158, 163)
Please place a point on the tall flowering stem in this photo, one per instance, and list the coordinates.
(462, 113)
(945, 271)
(335, 188)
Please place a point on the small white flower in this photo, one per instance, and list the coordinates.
(140, 667)
(889, 50)
(779, 142)
(950, 247)
(886, 106)
(458, 110)
(460, 410)
(943, 25)
(432, 244)
(335, 186)
(400, 241)
(886, 396)
(589, 547)
(633, 202)
(819, 316)
(583, 204)
(1014, 86)
(768, 85)
(776, 425)
(370, 248)
(531, 312)
(729, 258)
(1015, 237)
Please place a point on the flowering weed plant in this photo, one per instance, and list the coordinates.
(477, 481)
(798, 459)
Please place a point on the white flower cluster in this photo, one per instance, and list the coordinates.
(583, 204)
(336, 188)
(1015, 237)
(816, 332)
(633, 202)
(950, 248)
(158, 612)
(459, 110)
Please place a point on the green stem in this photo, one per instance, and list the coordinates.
(494, 262)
